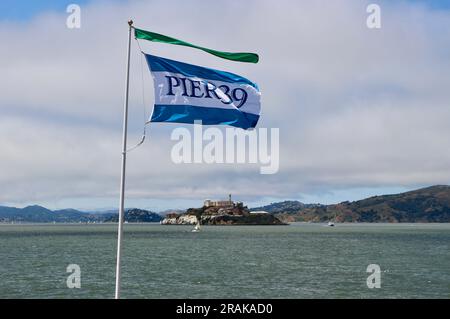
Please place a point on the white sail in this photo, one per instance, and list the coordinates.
(197, 226)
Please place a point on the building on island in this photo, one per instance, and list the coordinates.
(259, 212)
(221, 203)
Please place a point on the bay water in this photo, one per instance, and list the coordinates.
(301, 260)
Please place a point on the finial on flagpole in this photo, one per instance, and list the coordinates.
(130, 22)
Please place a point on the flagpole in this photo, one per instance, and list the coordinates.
(124, 158)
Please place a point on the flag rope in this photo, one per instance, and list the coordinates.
(143, 102)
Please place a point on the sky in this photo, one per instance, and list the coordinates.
(361, 111)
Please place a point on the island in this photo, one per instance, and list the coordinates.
(222, 212)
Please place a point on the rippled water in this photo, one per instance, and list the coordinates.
(295, 261)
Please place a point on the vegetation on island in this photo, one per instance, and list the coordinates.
(235, 214)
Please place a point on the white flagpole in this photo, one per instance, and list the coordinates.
(124, 158)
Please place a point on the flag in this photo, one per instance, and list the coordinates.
(156, 37)
(185, 93)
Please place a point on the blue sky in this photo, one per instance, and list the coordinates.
(22, 10)
(367, 109)
(435, 4)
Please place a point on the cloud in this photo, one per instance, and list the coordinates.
(355, 107)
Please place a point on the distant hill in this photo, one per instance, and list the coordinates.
(431, 204)
(39, 214)
(136, 215)
(287, 206)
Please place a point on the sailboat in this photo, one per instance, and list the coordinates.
(331, 222)
(196, 228)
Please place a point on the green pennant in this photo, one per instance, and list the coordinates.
(156, 37)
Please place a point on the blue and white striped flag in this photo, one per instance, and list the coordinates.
(185, 93)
